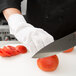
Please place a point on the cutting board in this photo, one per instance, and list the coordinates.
(24, 65)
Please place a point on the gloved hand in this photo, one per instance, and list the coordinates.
(33, 38)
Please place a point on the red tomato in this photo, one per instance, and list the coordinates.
(2, 53)
(21, 48)
(6, 51)
(13, 50)
(48, 63)
(69, 50)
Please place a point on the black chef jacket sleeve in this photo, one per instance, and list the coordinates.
(4, 4)
(9, 4)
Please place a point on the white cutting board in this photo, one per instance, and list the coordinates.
(24, 65)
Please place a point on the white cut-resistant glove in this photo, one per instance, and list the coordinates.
(33, 38)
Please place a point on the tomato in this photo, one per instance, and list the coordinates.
(21, 48)
(69, 50)
(48, 63)
(2, 53)
(13, 50)
(6, 51)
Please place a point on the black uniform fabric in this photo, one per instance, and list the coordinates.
(9, 4)
(4, 4)
(57, 17)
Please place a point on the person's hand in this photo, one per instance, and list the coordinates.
(33, 38)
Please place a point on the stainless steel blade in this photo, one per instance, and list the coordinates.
(57, 46)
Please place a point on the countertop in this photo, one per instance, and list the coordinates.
(24, 65)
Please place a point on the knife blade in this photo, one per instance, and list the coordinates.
(57, 46)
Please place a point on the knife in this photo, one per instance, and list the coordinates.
(57, 46)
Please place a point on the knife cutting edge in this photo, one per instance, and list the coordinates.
(57, 46)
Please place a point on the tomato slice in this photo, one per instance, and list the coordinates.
(2, 53)
(21, 48)
(13, 50)
(69, 50)
(7, 51)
